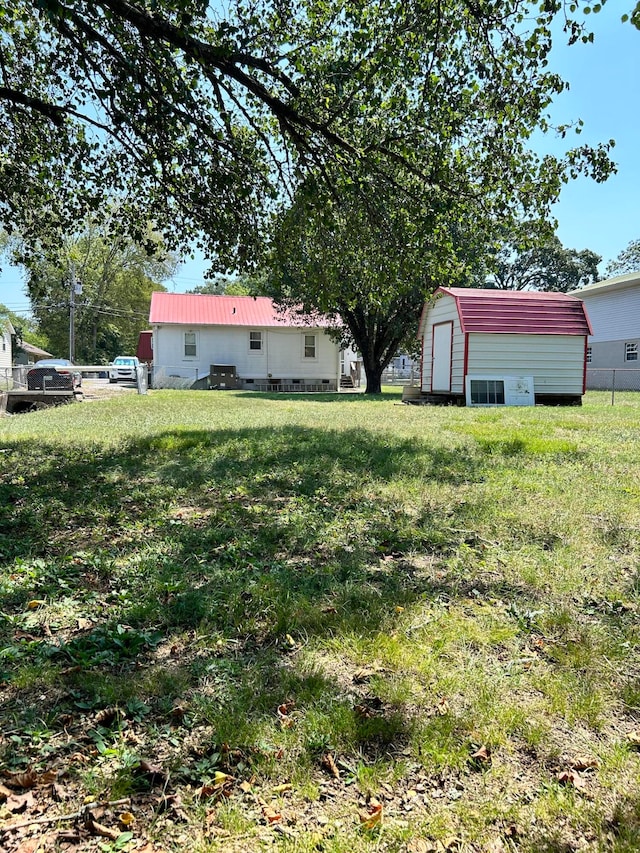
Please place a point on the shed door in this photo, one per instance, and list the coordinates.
(441, 364)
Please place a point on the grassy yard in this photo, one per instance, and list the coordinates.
(245, 622)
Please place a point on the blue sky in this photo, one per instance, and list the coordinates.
(604, 92)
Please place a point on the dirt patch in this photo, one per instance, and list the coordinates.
(102, 389)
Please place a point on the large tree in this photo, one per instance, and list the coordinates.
(628, 260)
(533, 258)
(196, 115)
(112, 279)
(367, 259)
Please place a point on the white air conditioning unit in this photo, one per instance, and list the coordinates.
(500, 391)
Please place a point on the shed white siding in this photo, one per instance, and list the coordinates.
(444, 310)
(281, 355)
(556, 362)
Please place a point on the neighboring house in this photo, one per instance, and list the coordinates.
(28, 354)
(403, 365)
(494, 347)
(6, 331)
(613, 306)
(241, 341)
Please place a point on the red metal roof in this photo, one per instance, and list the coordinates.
(196, 309)
(519, 312)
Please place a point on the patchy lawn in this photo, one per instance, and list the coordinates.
(257, 622)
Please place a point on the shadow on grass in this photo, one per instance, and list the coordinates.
(196, 564)
(246, 536)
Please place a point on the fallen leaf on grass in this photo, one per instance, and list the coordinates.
(329, 764)
(173, 805)
(569, 778)
(103, 831)
(107, 716)
(35, 603)
(633, 739)
(30, 779)
(280, 789)
(271, 814)
(419, 845)
(18, 803)
(482, 756)
(442, 708)
(372, 816)
(585, 763)
(155, 775)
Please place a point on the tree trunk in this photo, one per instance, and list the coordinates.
(373, 372)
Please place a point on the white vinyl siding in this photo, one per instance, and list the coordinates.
(5, 349)
(281, 355)
(444, 310)
(614, 314)
(556, 362)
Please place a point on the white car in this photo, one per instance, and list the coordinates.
(123, 367)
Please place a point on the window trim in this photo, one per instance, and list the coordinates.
(306, 357)
(631, 351)
(185, 354)
(494, 390)
(256, 350)
(588, 356)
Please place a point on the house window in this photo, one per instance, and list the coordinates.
(309, 346)
(631, 352)
(190, 348)
(589, 355)
(487, 392)
(255, 341)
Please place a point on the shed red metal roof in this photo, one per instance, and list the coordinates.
(519, 312)
(196, 309)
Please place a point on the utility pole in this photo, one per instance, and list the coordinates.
(75, 288)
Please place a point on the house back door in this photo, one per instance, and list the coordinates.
(441, 364)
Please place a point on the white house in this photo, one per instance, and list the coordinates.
(493, 347)
(614, 311)
(243, 342)
(6, 331)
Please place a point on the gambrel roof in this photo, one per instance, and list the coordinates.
(515, 312)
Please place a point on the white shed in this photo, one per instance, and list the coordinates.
(495, 347)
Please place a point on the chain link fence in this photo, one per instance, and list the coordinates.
(400, 376)
(613, 379)
(13, 377)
